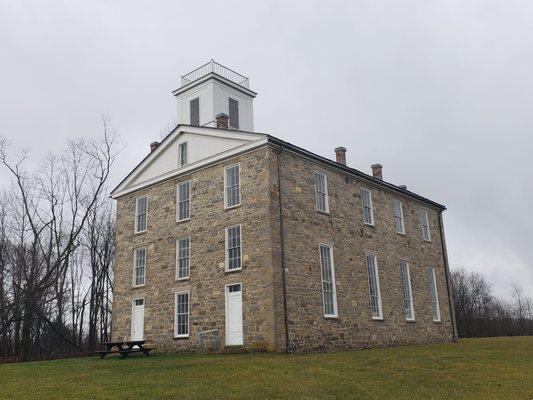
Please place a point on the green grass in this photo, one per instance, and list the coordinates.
(492, 368)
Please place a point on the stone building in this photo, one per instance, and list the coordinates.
(227, 238)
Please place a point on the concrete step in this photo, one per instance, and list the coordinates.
(233, 350)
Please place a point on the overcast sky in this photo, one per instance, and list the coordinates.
(439, 92)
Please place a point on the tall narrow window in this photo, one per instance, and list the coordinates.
(184, 201)
(233, 248)
(183, 257)
(398, 216)
(139, 266)
(407, 293)
(181, 321)
(195, 111)
(233, 113)
(424, 221)
(183, 158)
(373, 285)
(434, 297)
(141, 210)
(329, 291)
(368, 211)
(321, 192)
(232, 186)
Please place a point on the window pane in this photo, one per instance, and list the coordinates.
(183, 154)
(234, 247)
(234, 113)
(232, 182)
(184, 200)
(433, 294)
(328, 281)
(183, 258)
(321, 195)
(398, 216)
(140, 266)
(182, 314)
(368, 217)
(141, 210)
(373, 284)
(195, 111)
(407, 295)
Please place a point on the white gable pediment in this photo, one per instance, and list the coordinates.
(204, 146)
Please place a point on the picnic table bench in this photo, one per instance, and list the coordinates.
(124, 348)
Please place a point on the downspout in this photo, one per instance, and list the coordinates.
(447, 275)
(282, 248)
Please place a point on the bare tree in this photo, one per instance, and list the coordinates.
(52, 207)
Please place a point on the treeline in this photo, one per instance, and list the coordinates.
(479, 313)
(56, 251)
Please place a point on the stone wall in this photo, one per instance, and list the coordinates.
(343, 228)
(207, 273)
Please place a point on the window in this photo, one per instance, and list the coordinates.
(368, 212)
(233, 248)
(424, 220)
(373, 285)
(407, 293)
(232, 186)
(233, 113)
(181, 321)
(321, 192)
(398, 216)
(139, 266)
(184, 201)
(234, 288)
(183, 257)
(182, 155)
(195, 111)
(329, 291)
(434, 297)
(141, 210)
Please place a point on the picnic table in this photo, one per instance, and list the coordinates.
(124, 348)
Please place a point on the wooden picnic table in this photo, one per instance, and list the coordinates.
(124, 348)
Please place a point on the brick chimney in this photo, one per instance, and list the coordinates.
(377, 171)
(153, 146)
(340, 153)
(222, 121)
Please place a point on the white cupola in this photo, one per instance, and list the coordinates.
(213, 89)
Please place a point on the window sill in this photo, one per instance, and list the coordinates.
(182, 279)
(437, 321)
(229, 271)
(401, 234)
(138, 286)
(377, 319)
(139, 233)
(232, 207)
(410, 321)
(331, 316)
(181, 337)
(180, 221)
(373, 226)
(428, 241)
(323, 212)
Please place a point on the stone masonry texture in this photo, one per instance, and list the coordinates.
(262, 277)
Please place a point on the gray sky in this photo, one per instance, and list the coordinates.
(440, 93)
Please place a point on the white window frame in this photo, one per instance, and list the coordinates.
(399, 217)
(136, 222)
(226, 248)
(378, 317)
(433, 294)
(180, 158)
(326, 194)
(183, 278)
(178, 201)
(371, 206)
(407, 280)
(424, 217)
(333, 283)
(226, 186)
(182, 335)
(134, 280)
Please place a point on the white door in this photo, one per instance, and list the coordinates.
(137, 319)
(234, 315)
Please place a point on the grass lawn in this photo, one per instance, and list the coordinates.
(493, 368)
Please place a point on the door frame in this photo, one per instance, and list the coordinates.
(133, 313)
(226, 297)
